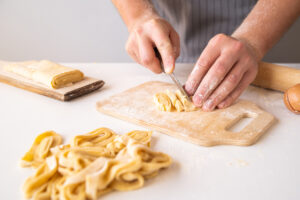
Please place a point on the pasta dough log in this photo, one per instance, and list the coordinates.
(92, 165)
(169, 101)
(45, 72)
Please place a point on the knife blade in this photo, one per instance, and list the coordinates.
(171, 75)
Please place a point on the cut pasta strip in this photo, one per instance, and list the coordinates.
(92, 165)
(40, 149)
(188, 106)
(169, 101)
(163, 102)
(175, 101)
(143, 137)
(43, 174)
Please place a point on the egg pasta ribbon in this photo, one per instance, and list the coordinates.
(92, 165)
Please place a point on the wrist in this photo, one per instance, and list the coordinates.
(134, 12)
(257, 50)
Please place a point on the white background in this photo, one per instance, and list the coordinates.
(83, 31)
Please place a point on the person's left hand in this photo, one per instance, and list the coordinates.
(223, 71)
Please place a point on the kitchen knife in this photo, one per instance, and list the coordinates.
(171, 75)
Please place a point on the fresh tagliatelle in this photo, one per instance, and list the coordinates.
(93, 164)
(169, 101)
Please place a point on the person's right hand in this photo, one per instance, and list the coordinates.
(149, 33)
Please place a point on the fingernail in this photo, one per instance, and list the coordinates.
(221, 105)
(169, 67)
(169, 70)
(195, 69)
(208, 105)
(198, 100)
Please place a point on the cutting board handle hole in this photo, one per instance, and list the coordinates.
(240, 124)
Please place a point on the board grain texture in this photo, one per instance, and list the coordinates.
(87, 85)
(203, 128)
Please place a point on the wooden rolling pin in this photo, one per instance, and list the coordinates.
(276, 77)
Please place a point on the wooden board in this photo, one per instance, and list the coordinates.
(87, 85)
(203, 128)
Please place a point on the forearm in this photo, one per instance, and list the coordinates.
(266, 24)
(132, 11)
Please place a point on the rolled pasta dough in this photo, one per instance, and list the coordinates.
(45, 72)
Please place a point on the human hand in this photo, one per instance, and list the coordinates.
(223, 71)
(149, 33)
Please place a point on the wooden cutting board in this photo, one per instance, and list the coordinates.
(87, 85)
(203, 128)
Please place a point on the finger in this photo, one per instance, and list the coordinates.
(131, 48)
(226, 87)
(135, 57)
(147, 55)
(234, 95)
(175, 40)
(205, 61)
(165, 48)
(214, 77)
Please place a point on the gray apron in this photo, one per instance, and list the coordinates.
(196, 21)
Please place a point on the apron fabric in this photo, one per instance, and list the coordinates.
(197, 21)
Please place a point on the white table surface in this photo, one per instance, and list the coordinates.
(270, 169)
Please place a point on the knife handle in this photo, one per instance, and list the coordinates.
(157, 54)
